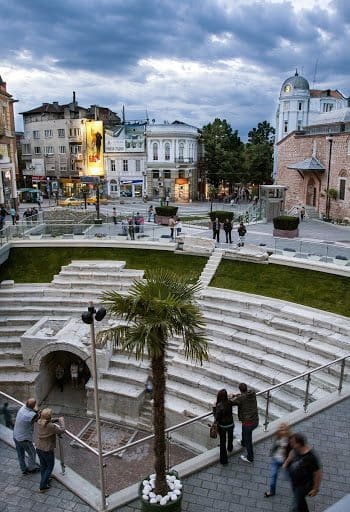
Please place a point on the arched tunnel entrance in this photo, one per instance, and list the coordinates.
(61, 382)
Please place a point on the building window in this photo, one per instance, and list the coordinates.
(61, 132)
(167, 174)
(181, 151)
(349, 147)
(300, 105)
(62, 149)
(285, 126)
(167, 151)
(36, 134)
(155, 174)
(181, 174)
(113, 186)
(342, 184)
(37, 150)
(49, 150)
(286, 105)
(48, 134)
(75, 149)
(112, 166)
(155, 151)
(74, 132)
(26, 149)
(137, 165)
(125, 166)
(63, 167)
(328, 107)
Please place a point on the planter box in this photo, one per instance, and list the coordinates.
(283, 233)
(164, 221)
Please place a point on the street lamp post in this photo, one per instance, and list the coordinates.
(88, 318)
(328, 199)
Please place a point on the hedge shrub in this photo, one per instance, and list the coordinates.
(286, 222)
(221, 215)
(166, 211)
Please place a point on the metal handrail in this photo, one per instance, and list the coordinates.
(266, 392)
(259, 393)
(69, 434)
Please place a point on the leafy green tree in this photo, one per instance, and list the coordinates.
(159, 307)
(258, 154)
(222, 152)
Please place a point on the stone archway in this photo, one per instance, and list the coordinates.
(71, 397)
(311, 193)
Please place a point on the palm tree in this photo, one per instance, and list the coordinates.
(157, 308)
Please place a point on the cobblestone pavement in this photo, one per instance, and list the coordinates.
(20, 493)
(239, 487)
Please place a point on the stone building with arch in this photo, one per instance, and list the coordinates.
(315, 160)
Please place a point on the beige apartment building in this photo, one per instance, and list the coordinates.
(8, 151)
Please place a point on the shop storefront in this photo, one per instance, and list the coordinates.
(71, 186)
(182, 189)
(131, 188)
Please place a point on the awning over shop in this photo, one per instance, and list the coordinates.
(131, 182)
(308, 165)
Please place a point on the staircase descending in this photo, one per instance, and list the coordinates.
(211, 267)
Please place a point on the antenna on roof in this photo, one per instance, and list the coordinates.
(123, 114)
(315, 73)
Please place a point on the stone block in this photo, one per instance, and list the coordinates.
(195, 244)
(7, 283)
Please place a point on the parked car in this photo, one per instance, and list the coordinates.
(93, 200)
(70, 201)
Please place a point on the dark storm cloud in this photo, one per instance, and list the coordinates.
(74, 43)
(112, 35)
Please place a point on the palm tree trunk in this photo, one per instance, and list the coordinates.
(158, 373)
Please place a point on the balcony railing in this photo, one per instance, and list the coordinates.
(182, 160)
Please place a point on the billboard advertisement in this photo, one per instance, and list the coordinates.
(94, 144)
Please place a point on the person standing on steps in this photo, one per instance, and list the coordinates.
(248, 416)
(224, 419)
(242, 231)
(228, 230)
(305, 472)
(23, 436)
(216, 230)
(279, 452)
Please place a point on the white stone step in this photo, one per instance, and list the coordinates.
(283, 309)
(20, 320)
(122, 360)
(11, 364)
(20, 376)
(119, 388)
(95, 285)
(9, 344)
(95, 274)
(44, 309)
(96, 264)
(11, 354)
(253, 346)
(135, 376)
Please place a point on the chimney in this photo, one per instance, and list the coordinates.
(73, 96)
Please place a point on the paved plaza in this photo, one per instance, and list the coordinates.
(238, 487)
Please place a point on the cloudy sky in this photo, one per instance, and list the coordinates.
(191, 60)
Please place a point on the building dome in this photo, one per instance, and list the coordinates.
(295, 83)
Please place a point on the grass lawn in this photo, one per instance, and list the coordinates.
(39, 265)
(315, 289)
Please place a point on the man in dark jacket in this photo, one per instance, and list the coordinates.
(248, 416)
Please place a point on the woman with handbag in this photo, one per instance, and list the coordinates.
(224, 420)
